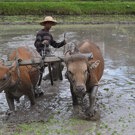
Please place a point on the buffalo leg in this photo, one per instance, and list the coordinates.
(60, 68)
(10, 102)
(31, 96)
(50, 73)
(92, 98)
(74, 98)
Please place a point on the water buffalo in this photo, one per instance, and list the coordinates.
(19, 80)
(84, 73)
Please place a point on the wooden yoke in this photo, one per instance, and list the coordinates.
(37, 61)
(34, 61)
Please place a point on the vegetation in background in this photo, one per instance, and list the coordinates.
(69, 19)
(66, 8)
(62, 0)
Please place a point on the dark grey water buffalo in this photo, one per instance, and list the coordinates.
(17, 81)
(84, 73)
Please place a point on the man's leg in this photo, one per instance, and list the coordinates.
(56, 70)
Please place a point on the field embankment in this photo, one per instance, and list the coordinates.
(67, 8)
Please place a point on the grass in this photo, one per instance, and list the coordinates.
(62, 0)
(66, 8)
(68, 19)
(52, 127)
(71, 126)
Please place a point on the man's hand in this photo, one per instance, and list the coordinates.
(45, 42)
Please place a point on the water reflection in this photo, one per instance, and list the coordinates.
(117, 85)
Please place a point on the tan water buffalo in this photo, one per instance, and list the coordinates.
(19, 80)
(84, 73)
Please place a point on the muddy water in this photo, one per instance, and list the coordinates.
(116, 95)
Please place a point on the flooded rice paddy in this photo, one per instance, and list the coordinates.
(115, 98)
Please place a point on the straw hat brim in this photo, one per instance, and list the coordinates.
(44, 22)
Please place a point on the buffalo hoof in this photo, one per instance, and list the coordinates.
(90, 112)
(38, 91)
(77, 110)
(9, 112)
(92, 115)
(17, 100)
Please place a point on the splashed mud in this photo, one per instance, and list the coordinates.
(53, 113)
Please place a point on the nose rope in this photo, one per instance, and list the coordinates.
(17, 61)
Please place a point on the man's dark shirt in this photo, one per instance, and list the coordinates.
(44, 35)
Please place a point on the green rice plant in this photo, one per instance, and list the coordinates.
(66, 8)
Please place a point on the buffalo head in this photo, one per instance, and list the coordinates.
(5, 75)
(79, 67)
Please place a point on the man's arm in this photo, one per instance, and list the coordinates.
(57, 45)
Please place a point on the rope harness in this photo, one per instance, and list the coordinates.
(7, 82)
(18, 81)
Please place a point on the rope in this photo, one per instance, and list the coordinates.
(5, 84)
(17, 64)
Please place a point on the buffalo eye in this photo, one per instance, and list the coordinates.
(70, 77)
(69, 73)
(4, 78)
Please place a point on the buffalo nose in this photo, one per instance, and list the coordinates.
(80, 89)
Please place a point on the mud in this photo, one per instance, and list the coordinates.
(116, 96)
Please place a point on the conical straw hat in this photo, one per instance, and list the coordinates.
(48, 19)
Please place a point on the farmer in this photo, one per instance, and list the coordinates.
(44, 40)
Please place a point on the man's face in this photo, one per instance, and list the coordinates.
(48, 25)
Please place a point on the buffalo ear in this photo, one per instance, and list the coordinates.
(68, 53)
(94, 64)
(14, 65)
